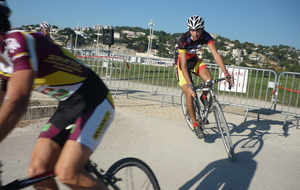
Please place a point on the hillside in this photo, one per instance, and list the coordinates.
(136, 39)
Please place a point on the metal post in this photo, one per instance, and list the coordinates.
(76, 35)
(151, 24)
(98, 34)
(71, 39)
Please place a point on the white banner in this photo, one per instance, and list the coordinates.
(240, 80)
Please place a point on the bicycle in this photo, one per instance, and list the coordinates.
(203, 112)
(127, 173)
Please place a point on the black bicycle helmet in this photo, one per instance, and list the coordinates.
(4, 14)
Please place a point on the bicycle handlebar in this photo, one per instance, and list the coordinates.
(210, 83)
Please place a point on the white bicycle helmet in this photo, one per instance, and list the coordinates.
(45, 24)
(195, 22)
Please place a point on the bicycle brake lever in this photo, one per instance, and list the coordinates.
(229, 81)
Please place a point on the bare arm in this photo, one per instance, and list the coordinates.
(19, 89)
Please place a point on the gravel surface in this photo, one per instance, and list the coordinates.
(267, 153)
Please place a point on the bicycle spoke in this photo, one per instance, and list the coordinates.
(223, 130)
(133, 174)
(198, 112)
(185, 112)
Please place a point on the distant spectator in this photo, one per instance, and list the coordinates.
(45, 30)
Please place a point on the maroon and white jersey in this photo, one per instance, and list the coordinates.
(59, 73)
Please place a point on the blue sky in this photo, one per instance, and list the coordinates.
(266, 22)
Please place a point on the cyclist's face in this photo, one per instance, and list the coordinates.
(196, 33)
(46, 31)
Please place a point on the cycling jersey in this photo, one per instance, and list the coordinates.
(48, 37)
(85, 103)
(187, 45)
(59, 73)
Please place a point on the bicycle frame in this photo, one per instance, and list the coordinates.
(214, 106)
(91, 167)
(208, 87)
(22, 183)
(119, 168)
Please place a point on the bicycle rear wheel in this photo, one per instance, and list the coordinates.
(132, 174)
(186, 115)
(223, 129)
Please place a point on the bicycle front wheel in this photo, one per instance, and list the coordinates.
(132, 174)
(223, 129)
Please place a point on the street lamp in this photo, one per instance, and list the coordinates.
(76, 35)
(151, 24)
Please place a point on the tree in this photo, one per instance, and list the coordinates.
(66, 32)
(248, 50)
(207, 55)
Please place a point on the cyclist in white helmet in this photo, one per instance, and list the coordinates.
(188, 44)
(45, 30)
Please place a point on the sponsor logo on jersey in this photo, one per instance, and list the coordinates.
(12, 44)
(102, 125)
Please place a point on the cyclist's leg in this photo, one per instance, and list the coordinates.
(49, 145)
(70, 167)
(189, 102)
(189, 99)
(86, 135)
(202, 71)
(43, 158)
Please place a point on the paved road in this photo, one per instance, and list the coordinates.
(159, 136)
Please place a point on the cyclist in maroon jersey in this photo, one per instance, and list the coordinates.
(31, 62)
(187, 60)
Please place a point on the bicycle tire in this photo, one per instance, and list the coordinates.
(223, 129)
(198, 111)
(132, 174)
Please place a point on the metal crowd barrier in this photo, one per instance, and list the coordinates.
(258, 90)
(255, 89)
(36, 112)
(287, 95)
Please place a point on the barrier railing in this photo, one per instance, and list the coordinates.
(255, 89)
(287, 93)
